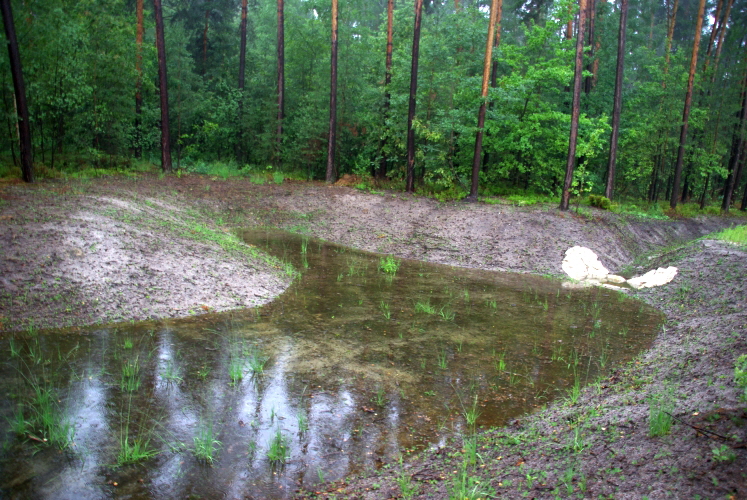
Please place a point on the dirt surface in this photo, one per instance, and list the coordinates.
(76, 253)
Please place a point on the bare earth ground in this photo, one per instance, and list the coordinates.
(76, 253)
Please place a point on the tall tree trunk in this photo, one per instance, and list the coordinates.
(494, 70)
(720, 44)
(714, 30)
(617, 102)
(281, 83)
(410, 177)
(139, 81)
(332, 139)
(591, 6)
(732, 179)
(381, 174)
(164, 88)
(494, 8)
(24, 130)
(671, 20)
(242, 72)
(575, 108)
(686, 110)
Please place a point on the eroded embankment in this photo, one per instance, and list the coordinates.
(77, 260)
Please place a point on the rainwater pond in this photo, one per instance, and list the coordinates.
(363, 359)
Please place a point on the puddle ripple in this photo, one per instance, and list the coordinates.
(350, 368)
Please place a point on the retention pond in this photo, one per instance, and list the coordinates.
(361, 360)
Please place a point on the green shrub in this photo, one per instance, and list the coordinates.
(599, 201)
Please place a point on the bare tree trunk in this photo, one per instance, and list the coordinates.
(732, 179)
(714, 30)
(494, 8)
(332, 139)
(242, 72)
(24, 130)
(381, 174)
(720, 44)
(281, 83)
(139, 81)
(163, 83)
(410, 177)
(686, 110)
(494, 70)
(575, 108)
(617, 103)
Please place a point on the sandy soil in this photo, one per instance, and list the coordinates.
(115, 250)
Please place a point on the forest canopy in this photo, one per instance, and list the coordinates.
(82, 66)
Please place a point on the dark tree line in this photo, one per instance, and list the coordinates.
(592, 86)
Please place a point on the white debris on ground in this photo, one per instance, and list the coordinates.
(657, 277)
(582, 265)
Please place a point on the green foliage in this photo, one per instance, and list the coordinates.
(734, 235)
(206, 446)
(599, 201)
(389, 264)
(740, 374)
(660, 419)
(278, 450)
(79, 62)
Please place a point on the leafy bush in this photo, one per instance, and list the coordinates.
(599, 201)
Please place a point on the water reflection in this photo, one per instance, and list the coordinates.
(359, 365)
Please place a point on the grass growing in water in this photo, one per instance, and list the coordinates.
(45, 422)
(130, 381)
(385, 309)
(389, 264)
(424, 306)
(278, 450)
(206, 446)
(133, 449)
(442, 361)
(446, 313)
(257, 360)
(171, 372)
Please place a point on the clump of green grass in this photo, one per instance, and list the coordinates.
(171, 373)
(206, 446)
(130, 381)
(44, 421)
(136, 451)
(471, 413)
(736, 235)
(443, 362)
(389, 264)
(278, 450)
(257, 360)
(425, 306)
(659, 418)
(385, 309)
(446, 313)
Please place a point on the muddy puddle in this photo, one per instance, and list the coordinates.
(363, 359)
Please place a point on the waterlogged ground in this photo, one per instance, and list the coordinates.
(350, 368)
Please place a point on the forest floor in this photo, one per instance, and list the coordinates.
(74, 253)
